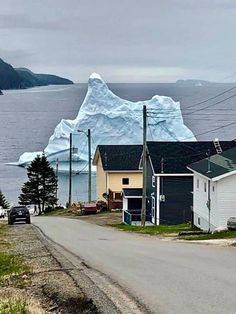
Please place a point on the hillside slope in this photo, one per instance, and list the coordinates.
(11, 78)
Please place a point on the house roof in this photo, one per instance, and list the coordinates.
(132, 192)
(178, 155)
(119, 157)
(217, 165)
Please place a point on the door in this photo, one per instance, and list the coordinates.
(176, 205)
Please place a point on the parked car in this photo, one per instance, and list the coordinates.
(231, 223)
(2, 212)
(18, 213)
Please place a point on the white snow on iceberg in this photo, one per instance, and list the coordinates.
(112, 120)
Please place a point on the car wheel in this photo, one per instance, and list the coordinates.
(28, 221)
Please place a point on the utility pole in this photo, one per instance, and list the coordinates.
(144, 196)
(89, 166)
(57, 165)
(209, 189)
(70, 172)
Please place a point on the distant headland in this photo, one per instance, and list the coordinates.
(19, 78)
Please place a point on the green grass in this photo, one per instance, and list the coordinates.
(163, 230)
(11, 264)
(15, 305)
(216, 235)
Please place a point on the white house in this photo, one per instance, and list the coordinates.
(214, 190)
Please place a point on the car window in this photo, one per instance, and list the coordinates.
(17, 209)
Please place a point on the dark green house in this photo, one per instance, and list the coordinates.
(170, 182)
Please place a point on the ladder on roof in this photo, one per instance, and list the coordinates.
(217, 146)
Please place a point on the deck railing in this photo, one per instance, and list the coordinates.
(127, 218)
(130, 217)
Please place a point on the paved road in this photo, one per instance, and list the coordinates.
(169, 277)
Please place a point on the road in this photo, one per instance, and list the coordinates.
(167, 276)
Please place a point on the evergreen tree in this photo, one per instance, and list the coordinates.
(41, 187)
(3, 202)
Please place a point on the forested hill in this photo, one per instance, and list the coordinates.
(11, 78)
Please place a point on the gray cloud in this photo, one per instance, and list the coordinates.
(161, 40)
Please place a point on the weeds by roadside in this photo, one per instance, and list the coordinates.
(13, 270)
(14, 305)
(11, 266)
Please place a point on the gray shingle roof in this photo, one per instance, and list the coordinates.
(178, 155)
(120, 157)
(217, 165)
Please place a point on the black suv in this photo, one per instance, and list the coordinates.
(18, 213)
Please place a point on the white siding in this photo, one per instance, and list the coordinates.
(158, 202)
(200, 208)
(125, 207)
(226, 199)
(125, 204)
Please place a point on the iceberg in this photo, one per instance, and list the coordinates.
(112, 120)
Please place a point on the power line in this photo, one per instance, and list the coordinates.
(211, 98)
(152, 111)
(203, 133)
(219, 102)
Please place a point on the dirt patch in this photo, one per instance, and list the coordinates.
(47, 287)
(103, 219)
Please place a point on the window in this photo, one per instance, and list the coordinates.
(205, 187)
(213, 188)
(125, 181)
(199, 221)
(153, 181)
(197, 183)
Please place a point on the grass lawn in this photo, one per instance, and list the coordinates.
(163, 230)
(217, 235)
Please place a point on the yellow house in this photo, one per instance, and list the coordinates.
(118, 167)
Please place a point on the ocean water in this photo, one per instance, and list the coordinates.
(28, 118)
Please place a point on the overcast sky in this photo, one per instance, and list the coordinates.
(123, 40)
